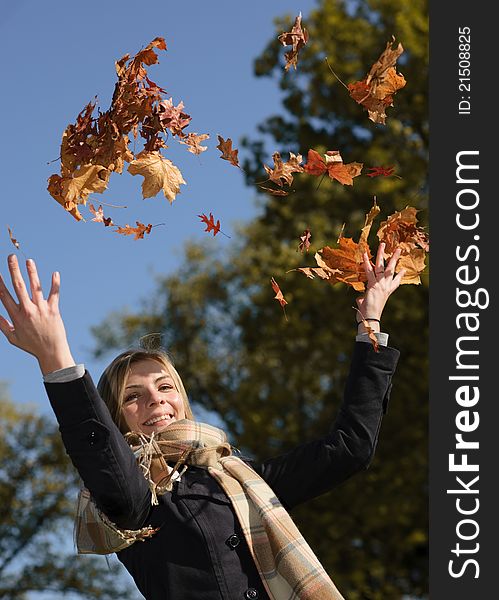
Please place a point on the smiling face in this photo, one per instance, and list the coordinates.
(151, 400)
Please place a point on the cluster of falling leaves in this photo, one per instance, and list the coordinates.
(344, 263)
(94, 147)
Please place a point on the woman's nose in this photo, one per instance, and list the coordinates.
(155, 398)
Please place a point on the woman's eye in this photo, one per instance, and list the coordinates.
(131, 398)
(166, 387)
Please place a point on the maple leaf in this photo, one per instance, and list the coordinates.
(193, 140)
(381, 171)
(159, 174)
(283, 171)
(333, 164)
(296, 38)
(13, 239)
(304, 241)
(172, 117)
(225, 147)
(375, 92)
(138, 231)
(346, 262)
(279, 296)
(99, 216)
(210, 224)
(400, 230)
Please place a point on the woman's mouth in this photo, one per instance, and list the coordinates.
(159, 419)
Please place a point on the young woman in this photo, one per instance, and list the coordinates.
(188, 518)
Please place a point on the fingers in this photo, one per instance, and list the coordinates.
(6, 327)
(18, 281)
(7, 299)
(392, 263)
(34, 282)
(53, 299)
(379, 266)
(371, 278)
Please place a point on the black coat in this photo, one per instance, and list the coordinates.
(199, 553)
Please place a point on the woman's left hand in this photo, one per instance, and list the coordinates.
(381, 283)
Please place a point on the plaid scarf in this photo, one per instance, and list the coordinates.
(287, 565)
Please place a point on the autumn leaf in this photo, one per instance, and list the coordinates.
(225, 147)
(159, 174)
(381, 171)
(304, 241)
(13, 239)
(273, 191)
(279, 296)
(296, 38)
(400, 230)
(193, 140)
(333, 164)
(375, 92)
(172, 117)
(138, 232)
(99, 216)
(369, 330)
(210, 224)
(282, 171)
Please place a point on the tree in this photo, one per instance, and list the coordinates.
(274, 382)
(38, 488)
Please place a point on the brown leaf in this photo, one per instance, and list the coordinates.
(193, 140)
(172, 117)
(375, 92)
(225, 147)
(273, 191)
(304, 244)
(138, 232)
(159, 174)
(283, 171)
(332, 163)
(13, 239)
(296, 38)
(279, 296)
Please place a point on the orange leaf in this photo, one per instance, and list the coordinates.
(282, 171)
(333, 164)
(138, 231)
(375, 92)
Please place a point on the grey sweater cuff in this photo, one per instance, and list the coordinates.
(364, 337)
(65, 375)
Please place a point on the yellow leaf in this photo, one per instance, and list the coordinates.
(159, 173)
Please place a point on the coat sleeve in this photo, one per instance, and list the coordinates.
(99, 452)
(313, 468)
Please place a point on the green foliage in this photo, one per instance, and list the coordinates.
(276, 383)
(38, 488)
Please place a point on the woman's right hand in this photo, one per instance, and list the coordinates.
(36, 324)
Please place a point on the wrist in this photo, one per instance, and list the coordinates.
(374, 325)
(54, 362)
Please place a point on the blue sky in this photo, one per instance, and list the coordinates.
(57, 57)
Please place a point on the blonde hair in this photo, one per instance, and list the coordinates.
(112, 382)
